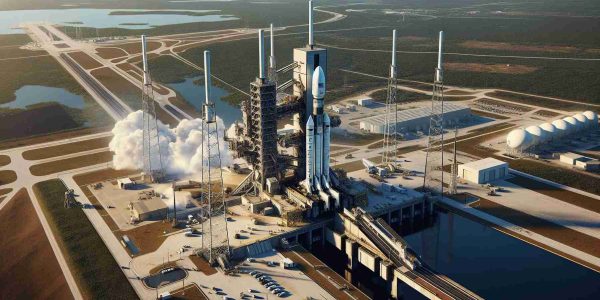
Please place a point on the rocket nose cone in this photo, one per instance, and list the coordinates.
(318, 83)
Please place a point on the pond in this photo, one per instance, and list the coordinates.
(34, 94)
(102, 18)
(194, 94)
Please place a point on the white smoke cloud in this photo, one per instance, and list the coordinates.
(182, 198)
(180, 147)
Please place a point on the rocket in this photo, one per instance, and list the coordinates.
(318, 134)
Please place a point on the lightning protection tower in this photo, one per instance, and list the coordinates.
(153, 166)
(454, 172)
(213, 200)
(390, 137)
(433, 180)
(272, 65)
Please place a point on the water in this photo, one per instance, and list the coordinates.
(34, 94)
(497, 266)
(194, 94)
(100, 18)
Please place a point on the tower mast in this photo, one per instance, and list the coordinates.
(435, 146)
(390, 137)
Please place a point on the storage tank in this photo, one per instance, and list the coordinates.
(518, 139)
(550, 131)
(537, 135)
(582, 120)
(561, 127)
(573, 124)
(592, 118)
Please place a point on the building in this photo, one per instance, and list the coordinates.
(483, 171)
(337, 109)
(365, 102)
(416, 119)
(125, 183)
(588, 164)
(351, 107)
(571, 158)
(150, 209)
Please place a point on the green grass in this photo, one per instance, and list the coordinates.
(97, 273)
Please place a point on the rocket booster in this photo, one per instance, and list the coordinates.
(317, 137)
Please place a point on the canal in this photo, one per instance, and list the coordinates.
(490, 263)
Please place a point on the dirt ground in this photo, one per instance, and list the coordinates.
(490, 68)
(575, 239)
(4, 160)
(557, 193)
(64, 149)
(189, 292)
(109, 53)
(5, 191)
(103, 213)
(7, 176)
(546, 113)
(488, 114)
(85, 60)
(515, 47)
(134, 48)
(148, 238)
(28, 267)
(71, 163)
(51, 137)
(102, 175)
(202, 265)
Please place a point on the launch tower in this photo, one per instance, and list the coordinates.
(153, 165)
(390, 137)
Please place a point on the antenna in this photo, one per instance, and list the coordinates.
(207, 81)
(145, 61)
(311, 38)
(439, 70)
(272, 43)
(261, 54)
(272, 73)
(393, 67)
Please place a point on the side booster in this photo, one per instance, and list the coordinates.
(318, 136)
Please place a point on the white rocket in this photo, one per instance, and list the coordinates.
(318, 135)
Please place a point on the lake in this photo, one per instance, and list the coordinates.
(101, 18)
(34, 94)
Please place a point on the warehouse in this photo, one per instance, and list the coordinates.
(416, 119)
(483, 171)
(150, 209)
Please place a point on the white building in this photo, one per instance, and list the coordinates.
(570, 158)
(365, 102)
(483, 171)
(125, 183)
(416, 119)
(337, 109)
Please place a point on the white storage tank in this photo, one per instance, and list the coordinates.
(518, 139)
(581, 119)
(573, 124)
(537, 135)
(561, 127)
(550, 131)
(592, 118)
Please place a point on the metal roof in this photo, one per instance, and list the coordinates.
(482, 164)
(411, 114)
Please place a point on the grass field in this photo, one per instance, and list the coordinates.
(7, 176)
(95, 270)
(29, 269)
(85, 60)
(68, 148)
(46, 138)
(4, 160)
(70, 163)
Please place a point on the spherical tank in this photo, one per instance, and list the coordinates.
(549, 129)
(592, 118)
(573, 124)
(537, 134)
(561, 127)
(518, 139)
(582, 120)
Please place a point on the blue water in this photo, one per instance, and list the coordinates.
(33, 94)
(194, 94)
(99, 18)
(497, 266)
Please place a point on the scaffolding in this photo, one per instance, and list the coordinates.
(435, 146)
(153, 165)
(390, 137)
(212, 188)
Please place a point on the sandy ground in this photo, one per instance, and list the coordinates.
(28, 268)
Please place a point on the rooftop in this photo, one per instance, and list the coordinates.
(151, 204)
(415, 113)
(485, 163)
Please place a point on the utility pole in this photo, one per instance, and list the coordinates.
(454, 170)
(174, 207)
